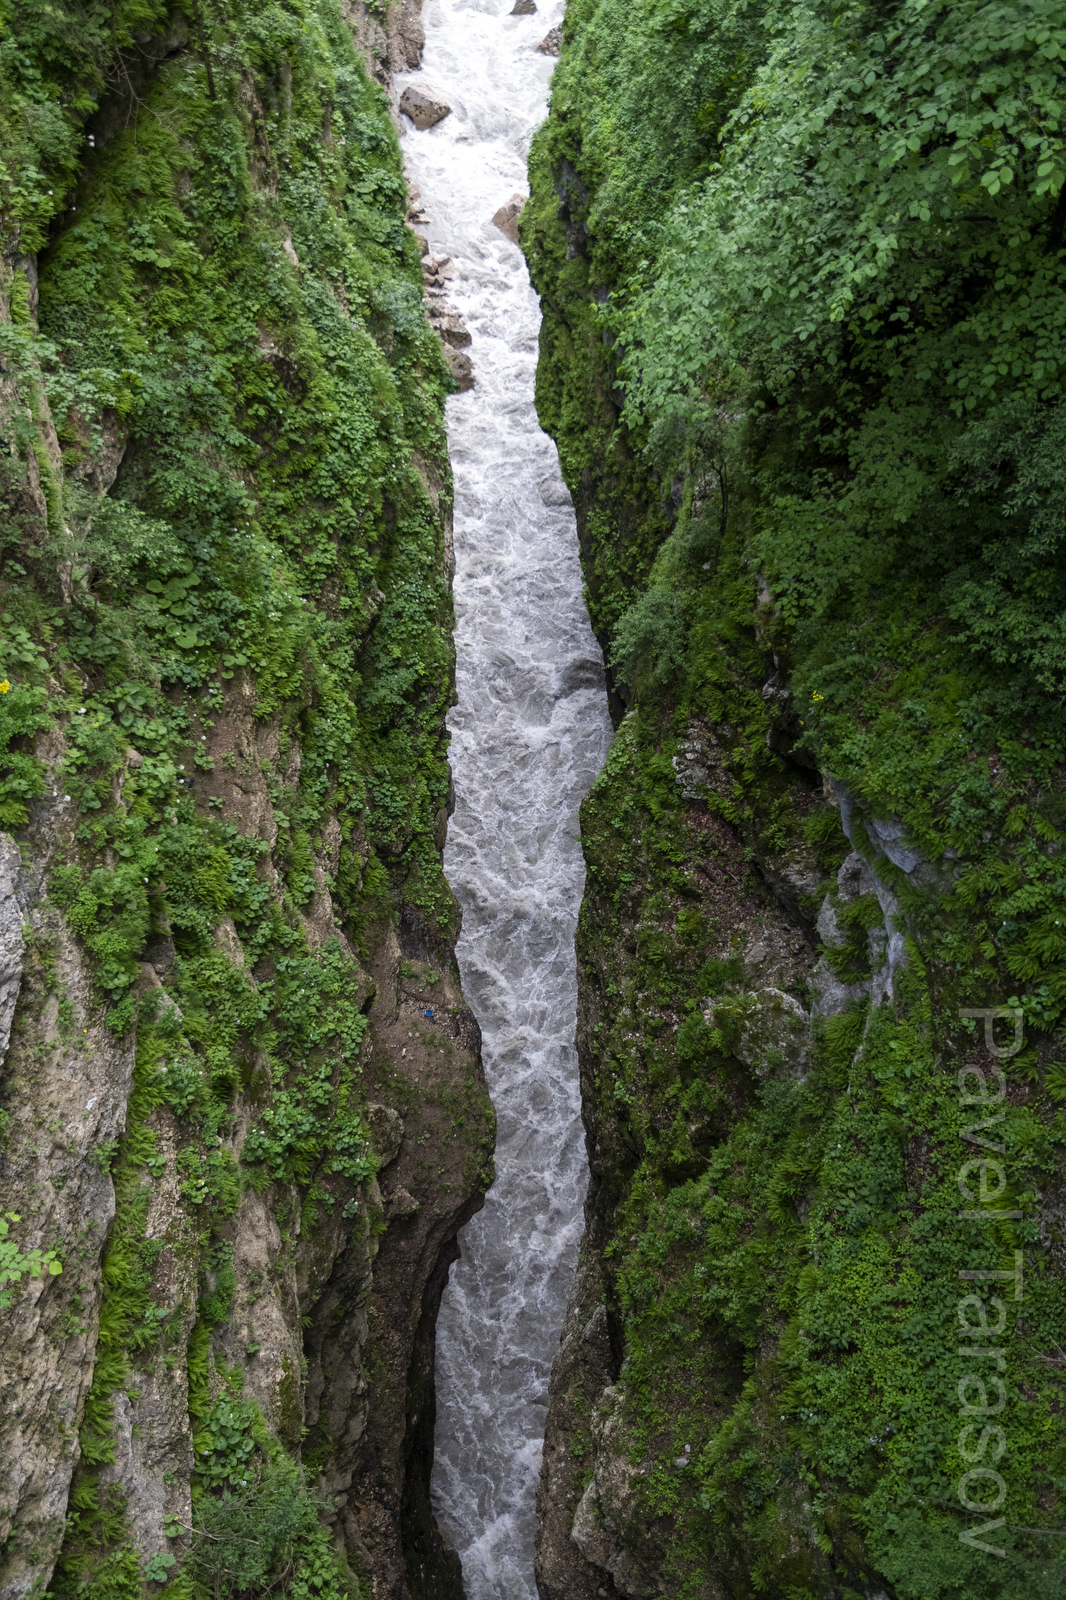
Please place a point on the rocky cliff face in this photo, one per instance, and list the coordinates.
(242, 1101)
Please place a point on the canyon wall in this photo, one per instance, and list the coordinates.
(796, 357)
(242, 1113)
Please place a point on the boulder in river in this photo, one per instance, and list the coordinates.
(552, 42)
(462, 368)
(522, 8)
(506, 219)
(423, 105)
(452, 329)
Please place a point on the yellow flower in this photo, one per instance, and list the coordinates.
(816, 696)
(4, 687)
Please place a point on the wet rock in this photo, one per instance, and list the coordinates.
(553, 492)
(573, 209)
(506, 218)
(388, 43)
(423, 105)
(584, 1368)
(522, 8)
(552, 42)
(407, 34)
(452, 329)
(462, 368)
(382, 1434)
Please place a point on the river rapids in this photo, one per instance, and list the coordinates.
(529, 734)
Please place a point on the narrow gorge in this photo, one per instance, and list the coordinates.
(533, 798)
(529, 734)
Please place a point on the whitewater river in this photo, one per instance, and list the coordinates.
(529, 734)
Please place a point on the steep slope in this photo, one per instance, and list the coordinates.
(803, 284)
(243, 1113)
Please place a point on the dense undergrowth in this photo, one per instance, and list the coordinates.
(804, 286)
(224, 470)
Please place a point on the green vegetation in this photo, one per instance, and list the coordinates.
(226, 659)
(804, 281)
(266, 1539)
(16, 1264)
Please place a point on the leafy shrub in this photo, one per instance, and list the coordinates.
(184, 1083)
(226, 1447)
(649, 639)
(22, 713)
(157, 1567)
(265, 1537)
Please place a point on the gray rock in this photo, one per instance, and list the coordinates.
(506, 218)
(12, 940)
(552, 42)
(794, 878)
(522, 8)
(462, 368)
(888, 954)
(553, 492)
(885, 836)
(768, 1031)
(386, 1132)
(423, 105)
(609, 1526)
(66, 1092)
(401, 1204)
(452, 329)
(832, 994)
(885, 833)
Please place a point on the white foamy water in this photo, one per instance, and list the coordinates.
(529, 734)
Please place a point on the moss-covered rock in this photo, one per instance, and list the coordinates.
(225, 651)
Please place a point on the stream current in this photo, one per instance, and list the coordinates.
(529, 734)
